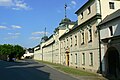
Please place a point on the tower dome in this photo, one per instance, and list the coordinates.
(65, 20)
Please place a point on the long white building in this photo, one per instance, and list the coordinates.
(88, 43)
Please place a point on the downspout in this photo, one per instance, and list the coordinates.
(100, 50)
(98, 28)
(52, 53)
(42, 53)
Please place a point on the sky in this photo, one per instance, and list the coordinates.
(23, 22)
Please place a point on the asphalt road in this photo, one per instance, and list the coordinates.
(30, 70)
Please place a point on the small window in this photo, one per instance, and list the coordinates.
(111, 5)
(75, 40)
(83, 58)
(71, 41)
(82, 15)
(82, 36)
(111, 31)
(71, 58)
(64, 44)
(90, 35)
(61, 45)
(89, 10)
(91, 59)
(76, 58)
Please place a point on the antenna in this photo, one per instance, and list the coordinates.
(65, 10)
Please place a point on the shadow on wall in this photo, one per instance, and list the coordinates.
(111, 62)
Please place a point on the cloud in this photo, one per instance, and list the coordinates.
(6, 3)
(16, 27)
(11, 37)
(39, 33)
(35, 38)
(3, 27)
(15, 4)
(73, 3)
(15, 34)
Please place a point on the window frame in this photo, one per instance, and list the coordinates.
(111, 5)
(89, 10)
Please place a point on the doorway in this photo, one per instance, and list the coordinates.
(113, 64)
(67, 59)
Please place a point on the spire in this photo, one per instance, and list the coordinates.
(45, 32)
(65, 10)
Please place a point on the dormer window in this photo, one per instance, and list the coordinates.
(82, 15)
(111, 31)
(111, 5)
(89, 10)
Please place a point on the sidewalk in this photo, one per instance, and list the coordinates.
(90, 77)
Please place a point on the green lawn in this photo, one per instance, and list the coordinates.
(73, 71)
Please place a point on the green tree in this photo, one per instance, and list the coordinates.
(12, 51)
(18, 51)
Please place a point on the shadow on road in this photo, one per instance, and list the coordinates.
(22, 70)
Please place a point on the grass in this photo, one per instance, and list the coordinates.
(69, 70)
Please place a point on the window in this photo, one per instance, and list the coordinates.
(82, 36)
(111, 5)
(89, 35)
(76, 58)
(67, 42)
(82, 15)
(111, 31)
(71, 58)
(71, 41)
(64, 44)
(91, 59)
(89, 10)
(75, 40)
(83, 58)
(61, 45)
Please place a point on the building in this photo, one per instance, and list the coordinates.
(29, 53)
(110, 44)
(49, 48)
(83, 44)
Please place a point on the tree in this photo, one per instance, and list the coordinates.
(12, 51)
(18, 51)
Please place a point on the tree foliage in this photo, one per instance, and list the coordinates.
(15, 51)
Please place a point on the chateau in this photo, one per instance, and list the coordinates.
(90, 43)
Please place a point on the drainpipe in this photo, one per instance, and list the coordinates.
(52, 53)
(98, 28)
(100, 50)
(42, 53)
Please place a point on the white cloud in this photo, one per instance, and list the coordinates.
(6, 3)
(16, 27)
(73, 2)
(3, 27)
(15, 34)
(71, 5)
(37, 33)
(15, 4)
(35, 38)
(11, 37)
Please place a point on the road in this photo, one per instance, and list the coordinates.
(30, 70)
